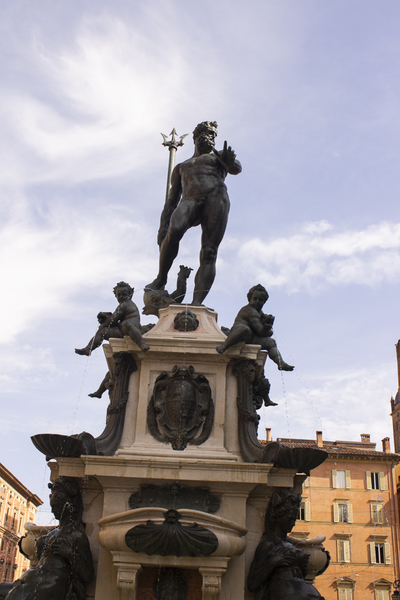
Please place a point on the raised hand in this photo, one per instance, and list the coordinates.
(227, 156)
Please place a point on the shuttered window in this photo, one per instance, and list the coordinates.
(345, 593)
(341, 478)
(380, 553)
(375, 480)
(377, 513)
(343, 551)
(342, 512)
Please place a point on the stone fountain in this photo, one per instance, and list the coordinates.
(176, 487)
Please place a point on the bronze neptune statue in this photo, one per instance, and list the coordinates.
(197, 196)
(279, 568)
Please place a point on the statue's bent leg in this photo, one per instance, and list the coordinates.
(213, 226)
(168, 252)
(94, 343)
(135, 335)
(206, 274)
(239, 333)
(102, 388)
(86, 350)
(183, 217)
(274, 354)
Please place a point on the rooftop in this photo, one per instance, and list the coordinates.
(19, 486)
(346, 448)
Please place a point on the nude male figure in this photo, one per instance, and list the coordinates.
(198, 196)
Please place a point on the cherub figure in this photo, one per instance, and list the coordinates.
(125, 320)
(252, 326)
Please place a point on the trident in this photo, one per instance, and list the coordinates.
(173, 144)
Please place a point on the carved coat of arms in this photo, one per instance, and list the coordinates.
(181, 410)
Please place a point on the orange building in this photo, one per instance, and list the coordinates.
(395, 406)
(351, 499)
(17, 506)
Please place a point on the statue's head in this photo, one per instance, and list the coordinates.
(102, 317)
(123, 291)
(259, 292)
(284, 506)
(204, 136)
(66, 499)
(206, 127)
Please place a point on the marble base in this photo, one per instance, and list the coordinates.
(242, 488)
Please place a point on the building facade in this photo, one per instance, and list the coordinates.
(395, 405)
(18, 506)
(351, 499)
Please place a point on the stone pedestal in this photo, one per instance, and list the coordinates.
(231, 509)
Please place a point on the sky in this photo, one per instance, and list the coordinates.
(307, 95)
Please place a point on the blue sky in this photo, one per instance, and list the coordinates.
(306, 93)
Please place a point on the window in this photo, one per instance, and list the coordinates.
(375, 480)
(304, 511)
(342, 512)
(345, 593)
(7, 513)
(382, 589)
(377, 513)
(343, 550)
(341, 479)
(380, 553)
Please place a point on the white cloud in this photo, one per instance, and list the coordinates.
(102, 96)
(73, 250)
(22, 365)
(317, 256)
(343, 404)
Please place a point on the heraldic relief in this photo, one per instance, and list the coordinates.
(181, 410)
